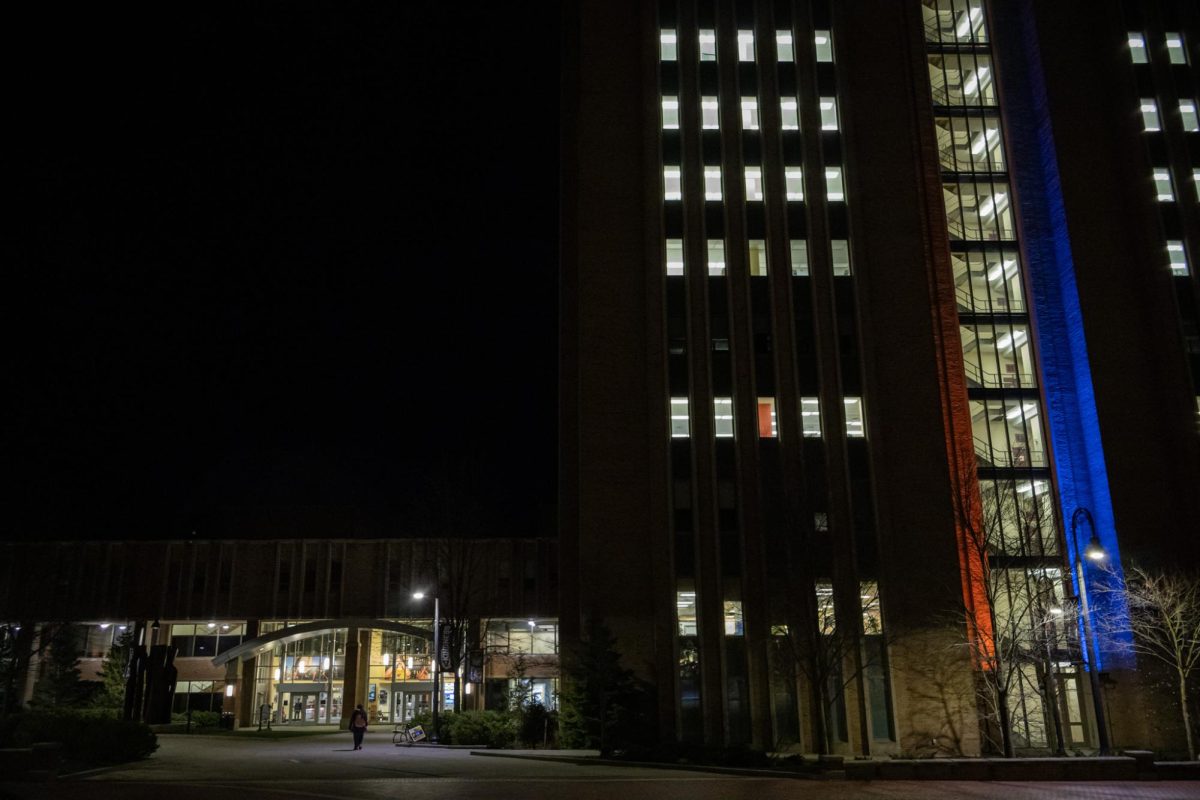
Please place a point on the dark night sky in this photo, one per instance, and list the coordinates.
(281, 256)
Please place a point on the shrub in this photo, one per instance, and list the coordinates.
(200, 719)
(537, 725)
(495, 729)
(89, 736)
(445, 723)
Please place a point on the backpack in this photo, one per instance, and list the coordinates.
(359, 719)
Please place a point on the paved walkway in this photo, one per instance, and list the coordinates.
(325, 766)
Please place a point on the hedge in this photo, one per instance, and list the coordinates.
(86, 737)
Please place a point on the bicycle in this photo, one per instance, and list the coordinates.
(407, 735)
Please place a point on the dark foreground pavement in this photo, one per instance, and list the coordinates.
(324, 766)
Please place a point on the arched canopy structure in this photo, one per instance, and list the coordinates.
(260, 644)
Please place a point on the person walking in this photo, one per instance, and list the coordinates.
(358, 725)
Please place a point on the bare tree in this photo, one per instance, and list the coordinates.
(828, 652)
(1163, 624)
(1013, 606)
(453, 514)
(460, 566)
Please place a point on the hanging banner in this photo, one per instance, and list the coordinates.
(445, 637)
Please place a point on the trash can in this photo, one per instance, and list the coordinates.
(227, 720)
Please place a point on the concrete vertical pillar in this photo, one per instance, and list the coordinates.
(350, 682)
(364, 673)
(244, 712)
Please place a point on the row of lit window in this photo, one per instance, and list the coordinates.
(757, 257)
(784, 49)
(789, 110)
(1140, 54)
(685, 606)
(1187, 113)
(686, 612)
(1165, 190)
(793, 178)
(810, 416)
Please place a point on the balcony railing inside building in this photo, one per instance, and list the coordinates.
(1008, 458)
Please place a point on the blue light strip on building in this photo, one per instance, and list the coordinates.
(1070, 403)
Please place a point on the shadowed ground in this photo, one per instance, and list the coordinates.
(325, 766)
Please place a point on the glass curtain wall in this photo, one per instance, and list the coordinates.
(301, 682)
(1017, 530)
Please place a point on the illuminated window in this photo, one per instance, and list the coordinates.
(793, 179)
(1196, 182)
(670, 113)
(961, 79)
(824, 45)
(723, 417)
(1175, 51)
(970, 21)
(840, 252)
(716, 257)
(745, 41)
(767, 426)
(1162, 186)
(710, 119)
(799, 253)
(679, 418)
(826, 614)
(829, 115)
(789, 112)
(970, 143)
(835, 192)
(854, 418)
(672, 187)
(674, 256)
(1187, 112)
(712, 183)
(685, 612)
(1007, 433)
(1150, 115)
(810, 417)
(758, 258)
(1137, 49)
(749, 114)
(1177, 258)
(783, 46)
(733, 618)
(978, 211)
(666, 43)
(708, 45)
(754, 183)
(954, 21)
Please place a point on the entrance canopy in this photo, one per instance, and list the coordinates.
(261, 644)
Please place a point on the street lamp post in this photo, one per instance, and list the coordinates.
(437, 664)
(1094, 551)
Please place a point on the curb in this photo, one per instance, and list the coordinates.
(611, 762)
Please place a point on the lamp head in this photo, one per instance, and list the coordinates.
(1095, 551)
(418, 595)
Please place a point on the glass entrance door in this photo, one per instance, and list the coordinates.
(302, 707)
